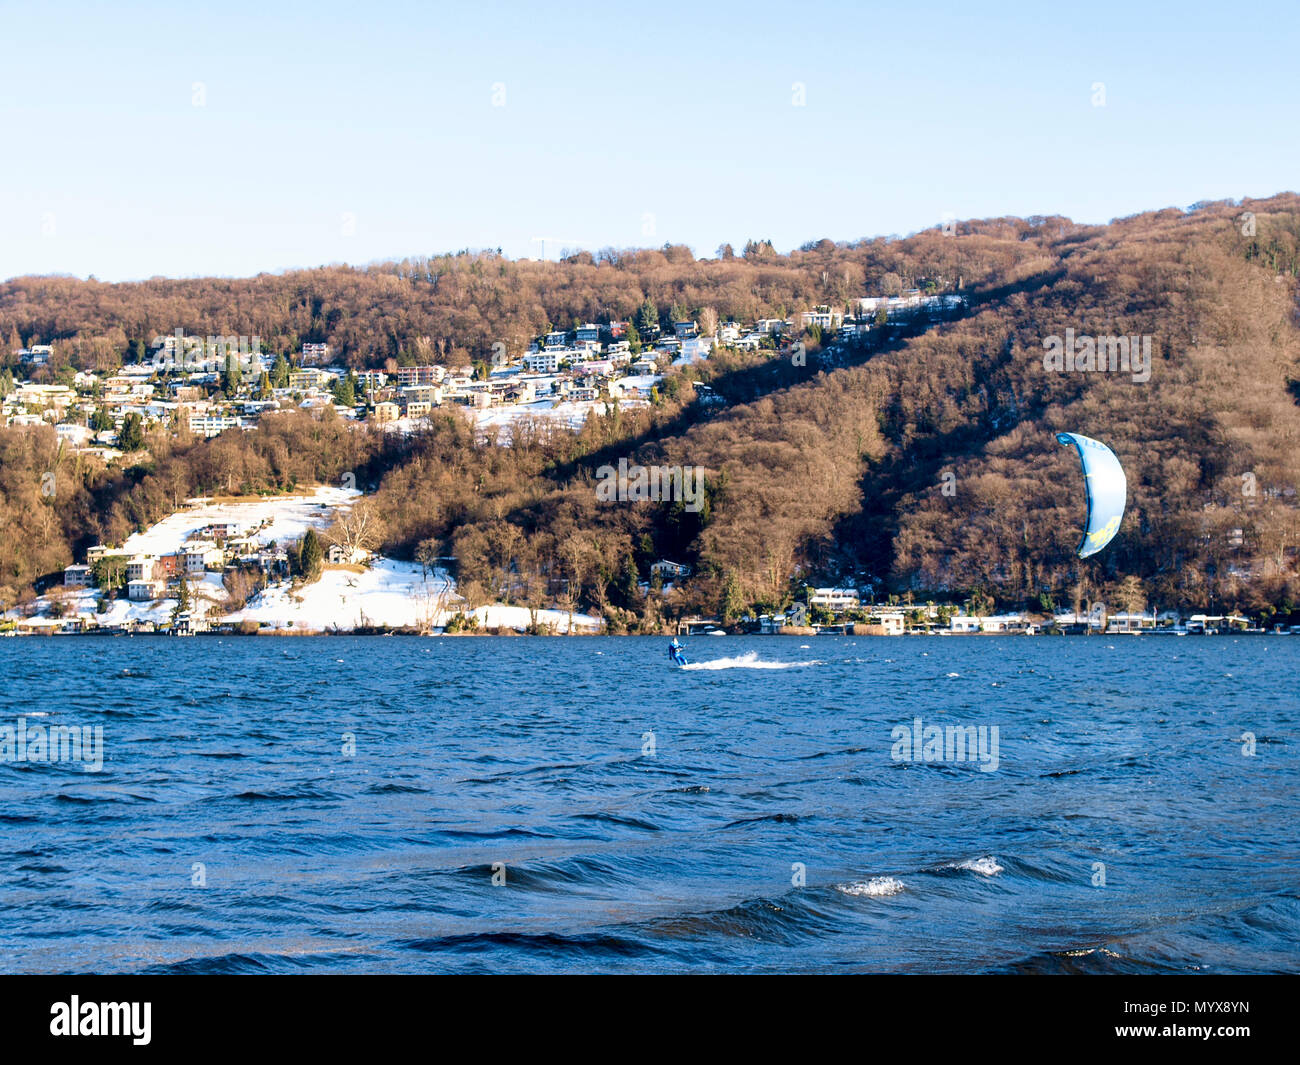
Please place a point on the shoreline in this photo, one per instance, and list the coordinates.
(510, 632)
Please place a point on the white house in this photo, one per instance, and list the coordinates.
(670, 569)
(822, 317)
(77, 577)
(543, 362)
(834, 598)
(892, 620)
(695, 348)
(199, 555)
(140, 568)
(143, 591)
(1126, 621)
(210, 425)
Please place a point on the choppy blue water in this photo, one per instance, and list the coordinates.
(647, 818)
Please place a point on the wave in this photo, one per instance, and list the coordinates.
(789, 919)
(986, 866)
(749, 660)
(545, 945)
(291, 794)
(876, 887)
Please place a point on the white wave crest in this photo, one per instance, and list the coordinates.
(986, 866)
(875, 887)
(749, 660)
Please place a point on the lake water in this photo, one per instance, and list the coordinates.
(513, 805)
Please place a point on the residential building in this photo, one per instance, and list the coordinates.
(694, 348)
(139, 568)
(305, 379)
(144, 590)
(834, 598)
(420, 375)
(822, 317)
(543, 362)
(210, 425)
(315, 354)
(670, 569)
(220, 530)
(167, 567)
(199, 555)
(78, 576)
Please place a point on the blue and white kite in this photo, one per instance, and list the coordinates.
(1107, 491)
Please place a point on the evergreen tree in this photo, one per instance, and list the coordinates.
(280, 372)
(100, 421)
(647, 318)
(109, 572)
(131, 438)
(732, 603)
(345, 392)
(231, 377)
(264, 386)
(310, 557)
(182, 600)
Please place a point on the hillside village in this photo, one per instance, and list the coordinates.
(207, 385)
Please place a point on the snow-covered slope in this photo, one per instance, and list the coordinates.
(385, 593)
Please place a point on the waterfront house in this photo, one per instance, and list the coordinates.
(834, 598)
(144, 590)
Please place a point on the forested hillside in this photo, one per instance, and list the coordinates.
(927, 465)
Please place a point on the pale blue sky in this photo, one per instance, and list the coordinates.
(357, 131)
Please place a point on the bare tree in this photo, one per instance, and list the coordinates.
(358, 528)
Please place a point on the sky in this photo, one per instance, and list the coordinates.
(178, 140)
